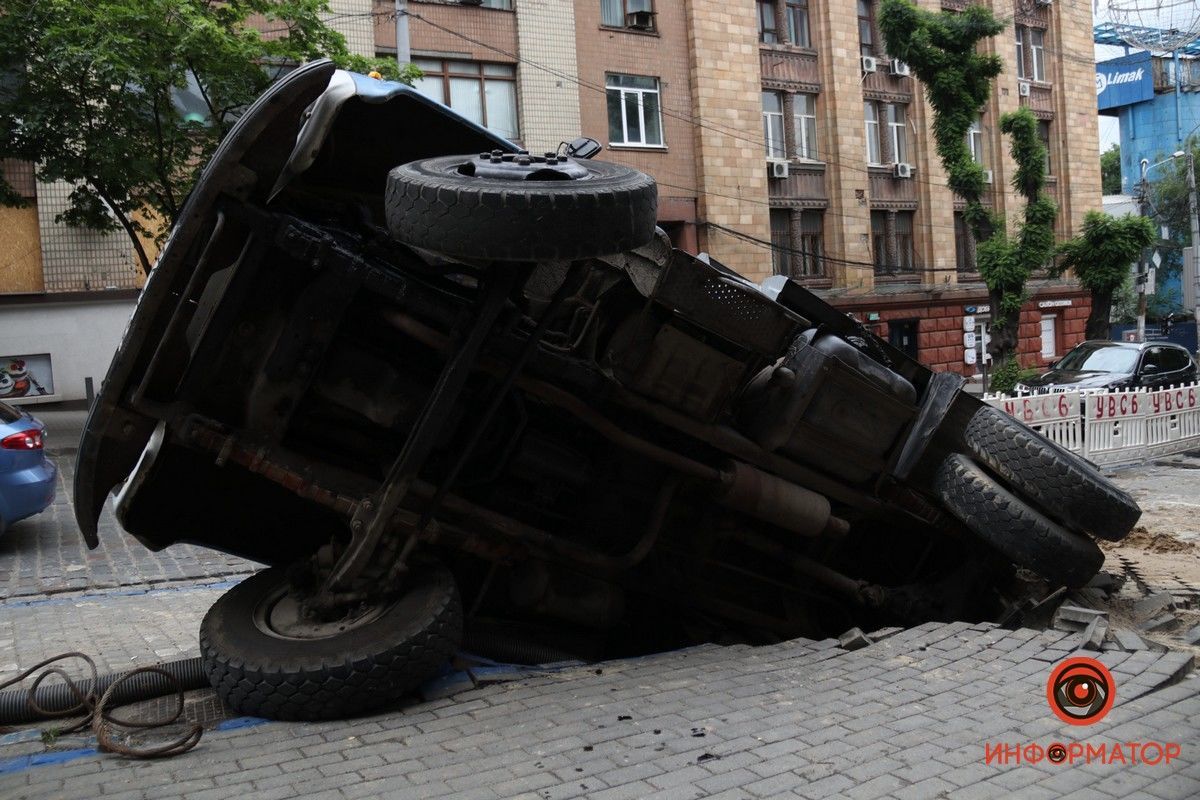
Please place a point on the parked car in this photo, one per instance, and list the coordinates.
(481, 399)
(28, 478)
(1097, 364)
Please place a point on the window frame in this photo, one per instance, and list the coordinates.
(766, 14)
(805, 135)
(445, 73)
(626, 11)
(1044, 137)
(871, 117)
(641, 106)
(898, 131)
(1020, 52)
(976, 141)
(792, 9)
(866, 23)
(1038, 53)
(774, 121)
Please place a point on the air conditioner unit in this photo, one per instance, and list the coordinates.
(870, 63)
(902, 170)
(777, 169)
(1023, 88)
(987, 176)
(641, 20)
(899, 67)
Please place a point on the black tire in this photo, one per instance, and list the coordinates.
(1012, 528)
(365, 668)
(431, 205)
(1059, 483)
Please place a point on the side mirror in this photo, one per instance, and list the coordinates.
(1149, 369)
(583, 147)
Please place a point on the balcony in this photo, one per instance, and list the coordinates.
(888, 191)
(883, 85)
(789, 69)
(1040, 100)
(804, 187)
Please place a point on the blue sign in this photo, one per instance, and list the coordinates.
(1124, 81)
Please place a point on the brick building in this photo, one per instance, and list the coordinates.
(782, 137)
(785, 140)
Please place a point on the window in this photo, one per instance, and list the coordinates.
(795, 16)
(1049, 335)
(811, 246)
(896, 132)
(804, 117)
(503, 5)
(866, 28)
(1037, 47)
(483, 93)
(894, 228)
(1044, 135)
(798, 243)
(781, 239)
(773, 124)
(871, 111)
(797, 19)
(879, 238)
(634, 115)
(904, 241)
(1020, 52)
(616, 13)
(975, 142)
(804, 126)
(964, 245)
(894, 137)
(767, 32)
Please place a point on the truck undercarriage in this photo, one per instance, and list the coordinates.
(447, 396)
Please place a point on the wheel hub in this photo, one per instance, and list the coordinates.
(521, 166)
(280, 615)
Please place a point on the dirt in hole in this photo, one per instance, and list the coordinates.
(1142, 539)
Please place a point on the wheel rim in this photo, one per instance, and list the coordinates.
(278, 615)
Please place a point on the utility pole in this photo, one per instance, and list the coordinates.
(403, 51)
(1194, 218)
(1143, 264)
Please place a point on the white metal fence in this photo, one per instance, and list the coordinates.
(1112, 428)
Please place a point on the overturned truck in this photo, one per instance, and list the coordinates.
(447, 395)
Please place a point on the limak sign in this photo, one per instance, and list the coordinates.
(1124, 81)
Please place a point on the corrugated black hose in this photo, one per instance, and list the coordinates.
(92, 697)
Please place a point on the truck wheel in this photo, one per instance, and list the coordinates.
(504, 209)
(1062, 485)
(1012, 528)
(266, 661)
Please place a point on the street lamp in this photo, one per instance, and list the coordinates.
(1143, 205)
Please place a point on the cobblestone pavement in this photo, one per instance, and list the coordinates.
(46, 554)
(909, 717)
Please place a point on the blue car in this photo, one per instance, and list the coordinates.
(27, 477)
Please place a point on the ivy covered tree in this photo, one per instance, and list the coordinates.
(92, 93)
(1100, 257)
(942, 50)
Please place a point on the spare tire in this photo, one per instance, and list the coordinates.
(520, 208)
(264, 660)
(1061, 484)
(1021, 534)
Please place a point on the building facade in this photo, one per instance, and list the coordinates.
(783, 138)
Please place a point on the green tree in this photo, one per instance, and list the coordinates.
(1100, 257)
(942, 49)
(91, 94)
(1110, 170)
